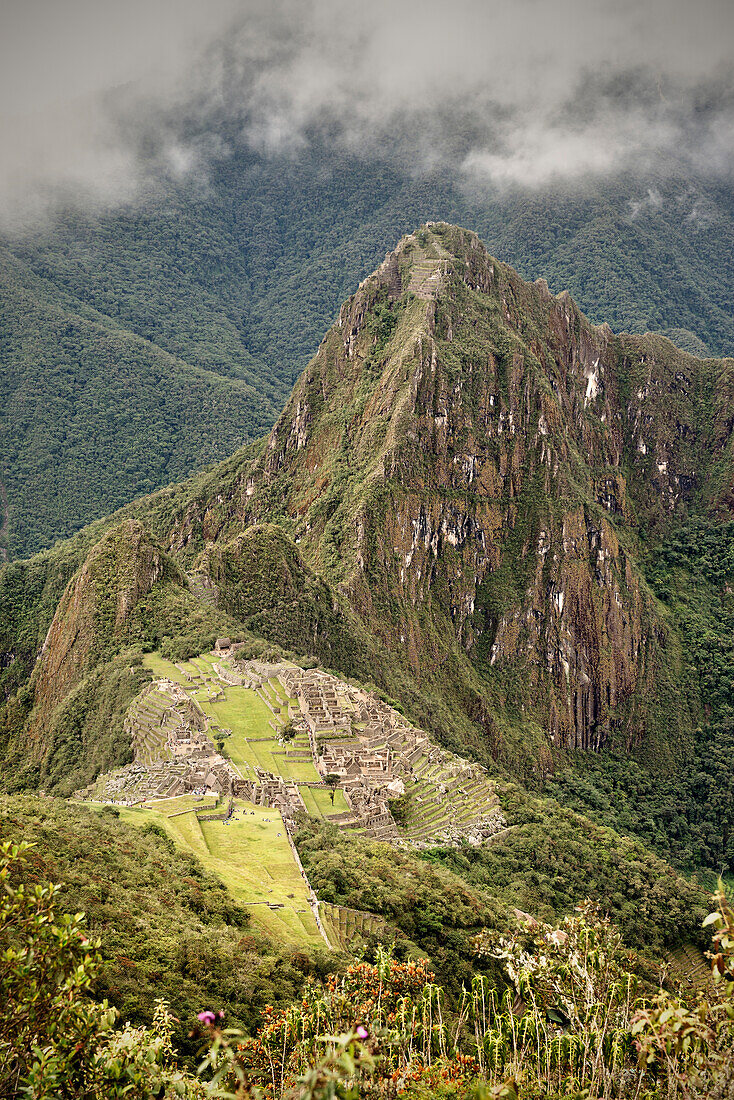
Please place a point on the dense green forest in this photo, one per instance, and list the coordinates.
(92, 414)
(170, 929)
(139, 345)
(548, 860)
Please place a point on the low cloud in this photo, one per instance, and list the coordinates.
(86, 91)
(105, 104)
(650, 202)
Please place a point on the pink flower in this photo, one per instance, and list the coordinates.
(208, 1018)
(362, 1032)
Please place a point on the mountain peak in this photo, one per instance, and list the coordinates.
(422, 256)
(425, 257)
(466, 461)
(450, 504)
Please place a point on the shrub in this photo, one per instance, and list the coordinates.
(55, 1041)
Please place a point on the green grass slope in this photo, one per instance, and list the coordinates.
(169, 928)
(250, 854)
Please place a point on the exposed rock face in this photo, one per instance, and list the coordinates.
(450, 505)
(467, 462)
(121, 569)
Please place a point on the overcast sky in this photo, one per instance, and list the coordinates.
(505, 92)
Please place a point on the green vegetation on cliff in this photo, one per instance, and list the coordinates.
(463, 502)
(432, 907)
(550, 859)
(689, 817)
(169, 929)
(546, 861)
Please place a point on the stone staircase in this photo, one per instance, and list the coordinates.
(689, 966)
(425, 278)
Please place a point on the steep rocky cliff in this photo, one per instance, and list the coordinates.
(458, 502)
(94, 610)
(66, 722)
(471, 465)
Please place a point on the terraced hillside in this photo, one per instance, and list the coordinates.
(426, 272)
(250, 853)
(152, 720)
(446, 799)
(689, 966)
(347, 928)
(298, 741)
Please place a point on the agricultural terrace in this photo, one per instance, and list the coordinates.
(251, 855)
(254, 719)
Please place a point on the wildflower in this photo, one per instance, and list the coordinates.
(210, 1018)
(362, 1032)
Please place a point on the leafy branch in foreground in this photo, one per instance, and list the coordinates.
(695, 1045)
(339, 1074)
(574, 1022)
(568, 1024)
(55, 1041)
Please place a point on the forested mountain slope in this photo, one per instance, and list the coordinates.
(92, 414)
(472, 499)
(469, 463)
(239, 279)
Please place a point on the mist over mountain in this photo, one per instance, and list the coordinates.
(367, 548)
(213, 182)
(141, 343)
(526, 94)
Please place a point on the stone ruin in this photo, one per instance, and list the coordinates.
(272, 791)
(378, 756)
(366, 748)
(174, 753)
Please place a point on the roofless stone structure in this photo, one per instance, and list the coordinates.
(357, 744)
